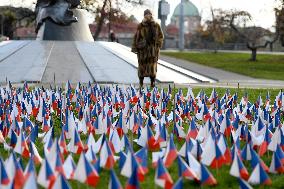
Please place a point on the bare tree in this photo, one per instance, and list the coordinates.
(102, 9)
(254, 36)
(14, 18)
(217, 27)
(106, 10)
(102, 17)
(280, 22)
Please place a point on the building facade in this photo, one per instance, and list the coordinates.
(192, 17)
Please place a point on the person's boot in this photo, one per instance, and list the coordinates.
(152, 81)
(141, 81)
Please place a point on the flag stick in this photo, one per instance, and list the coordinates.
(131, 131)
(54, 79)
(174, 105)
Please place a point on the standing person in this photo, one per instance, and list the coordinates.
(147, 42)
(112, 36)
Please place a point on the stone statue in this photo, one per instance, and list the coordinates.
(61, 20)
(58, 11)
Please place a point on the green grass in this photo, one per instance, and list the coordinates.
(266, 67)
(222, 175)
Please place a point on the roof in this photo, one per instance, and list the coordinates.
(189, 9)
(126, 28)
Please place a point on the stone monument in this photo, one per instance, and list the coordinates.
(61, 20)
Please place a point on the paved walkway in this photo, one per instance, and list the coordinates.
(226, 51)
(214, 73)
(58, 61)
(223, 78)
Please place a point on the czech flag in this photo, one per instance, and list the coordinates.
(91, 156)
(212, 154)
(30, 169)
(171, 152)
(85, 173)
(192, 130)
(4, 178)
(162, 176)
(58, 164)
(264, 145)
(222, 144)
(185, 171)
(142, 158)
(244, 185)
(226, 126)
(45, 124)
(122, 159)
(120, 125)
(69, 167)
(133, 182)
(31, 182)
(34, 153)
(75, 146)
(62, 143)
(27, 124)
(280, 153)
(114, 141)
(61, 183)
(162, 135)
(178, 184)
(259, 176)
(15, 171)
(147, 138)
(276, 165)
(246, 152)
(130, 164)
(256, 160)
(238, 169)
(114, 183)
(206, 113)
(107, 160)
(21, 146)
(46, 176)
(206, 177)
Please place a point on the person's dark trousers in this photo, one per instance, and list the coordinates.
(141, 81)
(152, 81)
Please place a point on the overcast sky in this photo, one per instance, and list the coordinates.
(261, 10)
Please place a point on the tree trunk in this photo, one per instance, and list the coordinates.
(271, 47)
(253, 54)
(253, 49)
(101, 21)
(216, 48)
(282, 39)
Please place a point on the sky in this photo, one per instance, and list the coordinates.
(262, 11)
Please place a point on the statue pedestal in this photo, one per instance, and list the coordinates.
(76, 31)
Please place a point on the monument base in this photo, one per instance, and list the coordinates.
(77, 31)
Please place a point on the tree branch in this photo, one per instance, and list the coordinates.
(101, 20)
(236, 29)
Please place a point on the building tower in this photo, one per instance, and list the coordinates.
(192, 17)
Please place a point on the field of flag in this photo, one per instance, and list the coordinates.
(124, 137)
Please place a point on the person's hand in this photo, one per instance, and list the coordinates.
(134, 50)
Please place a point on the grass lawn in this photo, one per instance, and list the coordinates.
(266, 67)
(222, 175)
